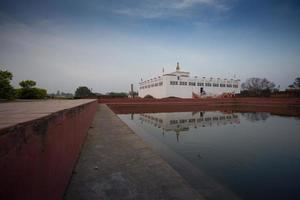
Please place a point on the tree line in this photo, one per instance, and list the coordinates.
(27, 90)
(263, 87)
(84, 92)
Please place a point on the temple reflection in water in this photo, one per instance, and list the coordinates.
(228, 150)
(180, 122)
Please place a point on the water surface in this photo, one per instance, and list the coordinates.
(227, 155)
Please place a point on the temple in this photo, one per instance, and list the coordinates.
(180, 84)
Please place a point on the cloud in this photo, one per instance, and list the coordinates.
(63, 54)
(183, 4)
(59, 59)
(171, 8)
(143, 13)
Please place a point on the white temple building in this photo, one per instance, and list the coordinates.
(180, 84)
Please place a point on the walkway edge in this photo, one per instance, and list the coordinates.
(115, 163)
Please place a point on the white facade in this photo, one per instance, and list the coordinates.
(180, 84)
(181, 122)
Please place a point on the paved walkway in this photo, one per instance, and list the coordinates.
(117, 164)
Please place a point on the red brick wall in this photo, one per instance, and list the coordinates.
(36, 161)
(206, 101)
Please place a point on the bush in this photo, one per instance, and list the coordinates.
(28, 91)
(261, 93)
(148, 96)
(117, 94)
(31, 93)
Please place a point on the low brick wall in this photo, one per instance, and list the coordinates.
(37, 156)
(279, 106)
(204, 101)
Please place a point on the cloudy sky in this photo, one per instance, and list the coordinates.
(108, 44)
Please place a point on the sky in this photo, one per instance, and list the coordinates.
(108, 44)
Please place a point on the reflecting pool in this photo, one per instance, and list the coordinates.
(226, 155)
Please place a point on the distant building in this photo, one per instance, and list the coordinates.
(180, 84)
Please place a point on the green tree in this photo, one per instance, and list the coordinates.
(28, 91)
(83, 91)
(117, 94)
(27, 84)
(6, 90)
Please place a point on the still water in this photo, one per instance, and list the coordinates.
(227, 155)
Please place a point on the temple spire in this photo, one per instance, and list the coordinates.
(177, 67)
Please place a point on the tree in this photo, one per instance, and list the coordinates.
(27, 84)
(82, 91)
(297, 82)
(28, 91)
(292, 86)
(6, 90)
(258, 86)
(117, 94)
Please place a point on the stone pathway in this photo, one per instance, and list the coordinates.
(117, 164)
